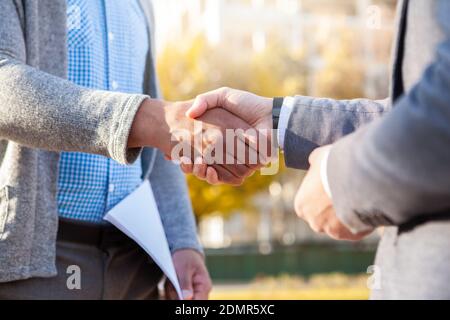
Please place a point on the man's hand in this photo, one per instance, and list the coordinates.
(165, 126)
(253, 109)
(192, 274)
(314, 206)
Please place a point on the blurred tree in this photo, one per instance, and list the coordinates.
(187, 71)
(343, 74)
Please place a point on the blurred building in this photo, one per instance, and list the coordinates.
(248, 25)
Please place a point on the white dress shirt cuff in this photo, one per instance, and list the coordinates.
(324, 174)
(285, 114)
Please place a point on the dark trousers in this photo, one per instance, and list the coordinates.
(94, 262)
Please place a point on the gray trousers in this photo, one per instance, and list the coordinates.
(93, 263)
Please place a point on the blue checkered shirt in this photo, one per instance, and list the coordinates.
(107, 48)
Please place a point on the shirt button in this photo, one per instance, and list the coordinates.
(111, 36)
(111, 188)
(115, 85)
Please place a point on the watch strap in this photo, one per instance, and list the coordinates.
(276, 111)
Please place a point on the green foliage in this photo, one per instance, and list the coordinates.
(187, 71)
(343, 75)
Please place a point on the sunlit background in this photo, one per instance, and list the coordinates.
(256, 247)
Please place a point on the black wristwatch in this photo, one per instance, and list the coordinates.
(277, 104)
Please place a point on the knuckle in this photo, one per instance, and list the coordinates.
(316, 227)
(243, 171)
(333, 233)
(211, 181)
(337, 232)
(199, 176)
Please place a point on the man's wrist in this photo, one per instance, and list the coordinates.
(149, 128)
(267, 105)
(198, 251)
(285, 114)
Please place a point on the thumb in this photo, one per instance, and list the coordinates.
(187, 288)
(205, 101)
(197, 109)
(314, 156)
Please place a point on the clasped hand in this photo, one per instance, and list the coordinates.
(223, 136)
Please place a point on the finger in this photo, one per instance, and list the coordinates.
(240, 171)
(317, 154)
(202, 286)
(259, 147)
(204, 102)
(185, 160)
(187, 168)
(338, 231)
(199, 169)
(186, 285)
(249, 141)
(312, 157)
(240, 160)
(201, 294)
(198, 108)
(317, 223)
(187, 294)
(186, 165)
(337, 234)
(226, 176)
(245, 158)
(228, 138)
(211, 176)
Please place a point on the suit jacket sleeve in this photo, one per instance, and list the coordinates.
(172, 196)
(398, 168)
(315, 122)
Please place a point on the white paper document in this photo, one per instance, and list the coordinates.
(138, 217)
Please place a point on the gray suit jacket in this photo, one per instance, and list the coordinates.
(42, 114)
(395, 169)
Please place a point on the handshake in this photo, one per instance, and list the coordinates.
(222, 136)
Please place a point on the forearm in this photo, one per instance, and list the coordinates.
(150, 128)
(43, 111)
(40, 110)
(315, 122)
